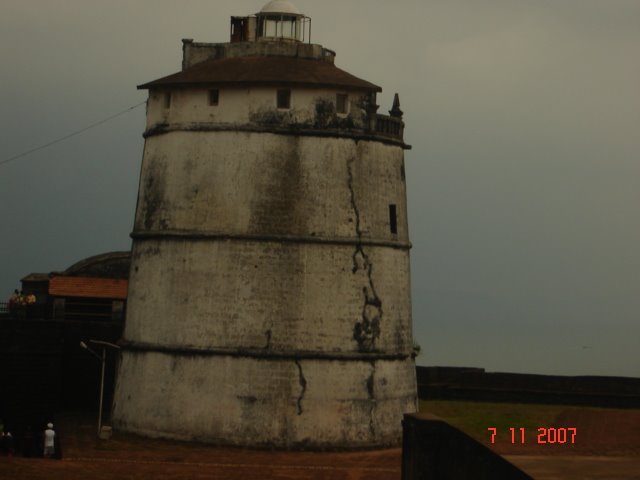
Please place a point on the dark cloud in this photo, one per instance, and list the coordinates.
(523, 115)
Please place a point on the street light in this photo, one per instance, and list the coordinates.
(101, 358)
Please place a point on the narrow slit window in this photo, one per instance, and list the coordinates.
(167, 100)
(393, 218)
(284, 98)
(341, 103)
(214, 96)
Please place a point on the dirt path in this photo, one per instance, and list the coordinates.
(598, 433)
(246, 466)
(132, 457)
(607, 447)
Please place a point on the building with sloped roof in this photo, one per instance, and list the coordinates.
(94, 288)
(269, 291)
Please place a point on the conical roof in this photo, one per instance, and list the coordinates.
(263, 70)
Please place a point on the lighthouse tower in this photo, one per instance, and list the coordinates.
(269, 298)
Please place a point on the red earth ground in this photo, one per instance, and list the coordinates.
(609, 449)
(600, 432)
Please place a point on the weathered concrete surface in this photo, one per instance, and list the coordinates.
(294, 257)
(269, 298)
(236, 400)
(234, 183)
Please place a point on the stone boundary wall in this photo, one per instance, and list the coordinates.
(456, 383)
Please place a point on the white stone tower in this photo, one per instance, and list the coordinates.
(269, 299)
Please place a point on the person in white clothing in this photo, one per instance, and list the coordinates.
(49, 436)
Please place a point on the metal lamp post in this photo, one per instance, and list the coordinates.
(102, 359)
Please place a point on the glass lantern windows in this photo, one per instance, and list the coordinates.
(280, 26)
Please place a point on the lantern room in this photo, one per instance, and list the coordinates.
(278, 20)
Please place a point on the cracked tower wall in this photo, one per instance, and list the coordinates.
(269, 299)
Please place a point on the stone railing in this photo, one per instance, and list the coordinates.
(389, 126)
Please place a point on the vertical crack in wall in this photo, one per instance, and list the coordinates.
(268, 335)
(303, 384)
(372, 398)
(366, 331)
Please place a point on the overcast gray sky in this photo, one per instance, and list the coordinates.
(523, 180)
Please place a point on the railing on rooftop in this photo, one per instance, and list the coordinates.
(389, 126)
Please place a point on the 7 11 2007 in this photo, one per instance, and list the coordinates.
(544, 435)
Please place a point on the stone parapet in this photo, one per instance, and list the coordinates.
(196, 52)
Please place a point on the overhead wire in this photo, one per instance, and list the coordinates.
(77, 132)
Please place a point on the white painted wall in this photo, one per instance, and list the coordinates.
(240, 105)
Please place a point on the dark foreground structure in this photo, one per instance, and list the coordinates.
(43, 370)
(433, 449)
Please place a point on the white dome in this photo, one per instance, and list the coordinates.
(280, 6)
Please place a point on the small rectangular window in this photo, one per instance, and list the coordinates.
(214, 96)
(341, 102)
(393, 219)
(284, 98)
(167, 99)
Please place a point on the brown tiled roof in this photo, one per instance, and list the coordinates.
(88, 287)
(265, 70)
